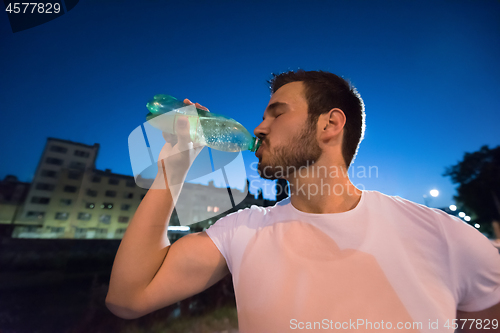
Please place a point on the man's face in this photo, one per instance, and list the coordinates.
(289, 140)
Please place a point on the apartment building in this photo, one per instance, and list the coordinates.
(94, 204)
(59, 157)
(70, 198)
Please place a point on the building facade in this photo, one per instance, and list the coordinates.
(60, 158)
(70, 198)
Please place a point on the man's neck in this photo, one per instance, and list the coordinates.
(323, 190)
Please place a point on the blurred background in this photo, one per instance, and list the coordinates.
(75, 87)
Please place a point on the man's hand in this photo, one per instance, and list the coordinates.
(178, 153)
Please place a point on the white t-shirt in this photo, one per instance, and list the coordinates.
(386, 262)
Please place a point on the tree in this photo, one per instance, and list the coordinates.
(478, 176)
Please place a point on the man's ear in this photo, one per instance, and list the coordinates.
(332, 123)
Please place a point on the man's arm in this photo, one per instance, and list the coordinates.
(148, 273)
(470, 321)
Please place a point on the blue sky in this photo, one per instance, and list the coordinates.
(428, 72)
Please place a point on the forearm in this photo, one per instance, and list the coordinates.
(143, 247)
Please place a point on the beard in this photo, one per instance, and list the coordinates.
(302, 151)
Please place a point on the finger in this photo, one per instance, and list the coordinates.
(182, 130)
(170, 138)
(199, 106)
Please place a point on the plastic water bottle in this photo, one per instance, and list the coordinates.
(209, 129)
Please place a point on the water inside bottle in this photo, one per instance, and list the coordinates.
(225, 134)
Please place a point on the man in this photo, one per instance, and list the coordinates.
(330, 256)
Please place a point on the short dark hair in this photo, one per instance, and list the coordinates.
(323, 92)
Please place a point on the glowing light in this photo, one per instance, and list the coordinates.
(477, 225)
(461, 214)
(209, 208)
(467, 218)
(453, 208)
(434, 193)
(178, 228)
(216, 209)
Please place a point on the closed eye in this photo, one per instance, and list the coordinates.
(275, 116)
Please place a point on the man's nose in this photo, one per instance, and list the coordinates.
(261, 131)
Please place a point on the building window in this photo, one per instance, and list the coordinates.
(120, 231)
(81, 153)
(106, 219)
(84, 216)
(102, 232)
(35, 215)
(107, 205)
(54, 161)
(45, 187)
(90, 205)
(96, 179)
(77, 165)
(74, 175)
(80, 232)
(110, 194)
(123, 219)
(125, 207)
(49, 173)
(128, 195)
(58, 230)
(31, 228)
(113, 181)
(62, 216)
(65, 202)
(40, 200)
(70, 189)
(58, 149)
(92, 193)
(130, 183)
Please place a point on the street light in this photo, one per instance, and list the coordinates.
(461, 214)
(467, 218)
(434, 193)
(453, 208)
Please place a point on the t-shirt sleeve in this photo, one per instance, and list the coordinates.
(222, 233)
(475, 265)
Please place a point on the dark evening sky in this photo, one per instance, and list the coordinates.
(428, 72)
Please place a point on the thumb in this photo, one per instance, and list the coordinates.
(182, 130)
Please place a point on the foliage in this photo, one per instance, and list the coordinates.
(478, 176)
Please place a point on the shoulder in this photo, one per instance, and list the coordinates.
(429, 225)
(253, 216)
(459, 236)
(414, 211)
